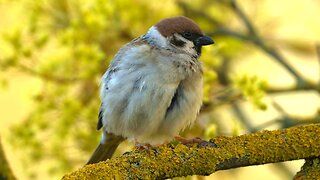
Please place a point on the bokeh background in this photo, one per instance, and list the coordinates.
(262, 73)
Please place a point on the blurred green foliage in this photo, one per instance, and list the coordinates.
(68, 46)
(253, 89)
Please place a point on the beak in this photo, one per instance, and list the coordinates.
(203, 41)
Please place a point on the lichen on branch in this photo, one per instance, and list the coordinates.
(222, 153)
(310, 170)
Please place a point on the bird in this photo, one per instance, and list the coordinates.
(153, 87)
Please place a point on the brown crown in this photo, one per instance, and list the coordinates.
(178, 24)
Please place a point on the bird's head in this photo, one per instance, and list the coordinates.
(179, 33)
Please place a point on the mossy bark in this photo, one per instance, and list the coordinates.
(310, 170)
(220, 153)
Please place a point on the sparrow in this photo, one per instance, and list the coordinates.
(153, 87)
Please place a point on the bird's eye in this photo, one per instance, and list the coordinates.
(187, 34)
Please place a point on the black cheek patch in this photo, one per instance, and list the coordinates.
(177, 42)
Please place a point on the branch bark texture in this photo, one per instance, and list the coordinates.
(220, 153)
(310, 170)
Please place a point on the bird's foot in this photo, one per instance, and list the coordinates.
(186, 141)
(140, 146)
(200, 142)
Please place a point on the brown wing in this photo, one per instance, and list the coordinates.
(99, 125)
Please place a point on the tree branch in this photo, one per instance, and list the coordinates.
(253, 37)
(219, 153)
(243, 17)
(5, 170)
(264, 47)
(310, 170)
(46, 76)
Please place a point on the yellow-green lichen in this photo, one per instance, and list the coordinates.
(169, 161)
(310, 170)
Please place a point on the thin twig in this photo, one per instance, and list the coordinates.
(187, 9)
(308, 87)
(243, 118)
(253, 37)
(243, 17)
(48, 77)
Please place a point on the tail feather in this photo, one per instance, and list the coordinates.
(105, 149)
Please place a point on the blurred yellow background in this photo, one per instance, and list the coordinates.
(53, 53)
